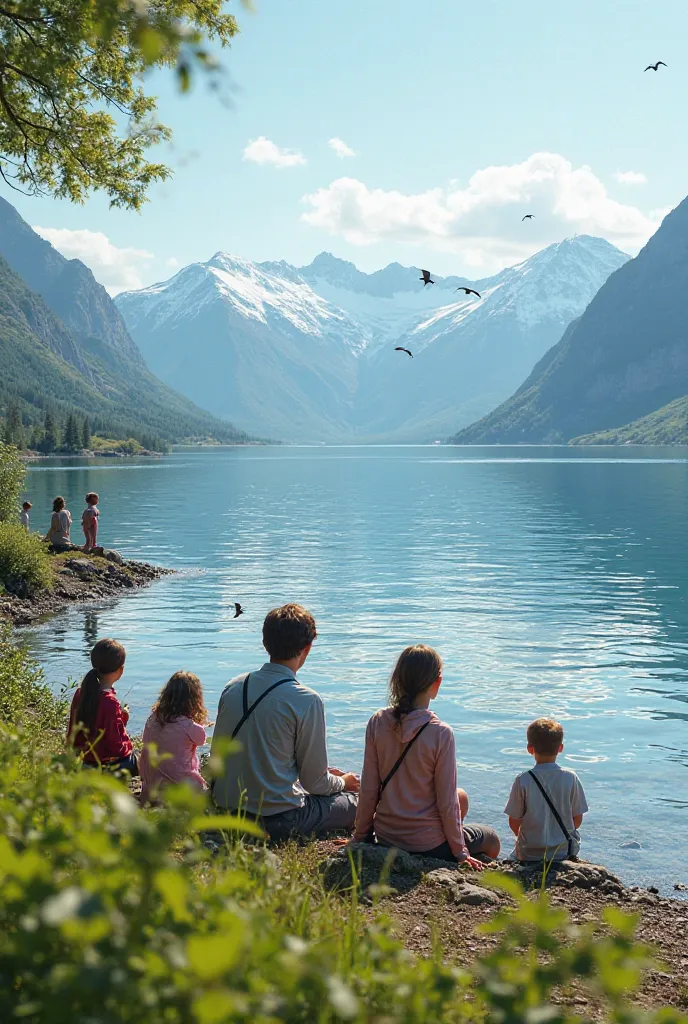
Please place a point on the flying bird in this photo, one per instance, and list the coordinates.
(468, 291)
(238, 610)
(655, 67)
(528, 216)
(426, 279)
(400, 349)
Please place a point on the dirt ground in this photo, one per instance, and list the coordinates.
(419, 909)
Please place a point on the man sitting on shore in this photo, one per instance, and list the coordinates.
(281, 773)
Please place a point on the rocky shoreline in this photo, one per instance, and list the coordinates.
(79, 578)
(427, 899)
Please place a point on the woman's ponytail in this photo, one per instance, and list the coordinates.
(417, 668)
(107, 656)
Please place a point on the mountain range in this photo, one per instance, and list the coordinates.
(620, 371)
(308, 353)
(65, 346)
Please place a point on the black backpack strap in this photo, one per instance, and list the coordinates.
(249, 709)
(554, 811)
(399, 760)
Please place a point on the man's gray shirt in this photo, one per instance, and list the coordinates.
(283, 752)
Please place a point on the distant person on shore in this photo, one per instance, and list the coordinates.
(97, 721)
(409, 797)
(281, 774)
(546, 804)
(172, 735)
(25, 515)
(89, 521)
(60, 525)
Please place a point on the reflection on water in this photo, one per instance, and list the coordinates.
(551, 580)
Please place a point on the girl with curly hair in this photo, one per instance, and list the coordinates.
(172, 735)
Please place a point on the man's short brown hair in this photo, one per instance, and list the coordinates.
(287, 630)
(545, 736)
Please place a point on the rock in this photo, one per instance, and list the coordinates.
(653, 889)
(475, 896)
(82, 567)
(113, 556)
(443, 876)
(680, 887)
(633, 844)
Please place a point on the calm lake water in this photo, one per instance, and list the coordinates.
(552, 581)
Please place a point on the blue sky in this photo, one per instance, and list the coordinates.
(462, 118)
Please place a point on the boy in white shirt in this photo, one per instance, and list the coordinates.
(546, 805)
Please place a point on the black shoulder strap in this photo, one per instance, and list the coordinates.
(398, 762)
(554, 811)
(249, 709)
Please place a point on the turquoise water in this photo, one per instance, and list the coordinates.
(552, 581)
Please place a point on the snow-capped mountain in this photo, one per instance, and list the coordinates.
(307, 354)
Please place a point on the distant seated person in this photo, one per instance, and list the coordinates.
(171, 737)
(60, 525)
(281, 774)
(89, 521)
(97, 721)
(25, 515)
(547, 803)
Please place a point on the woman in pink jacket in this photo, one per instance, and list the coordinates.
(409, 798)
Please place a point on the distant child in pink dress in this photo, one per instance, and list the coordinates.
(172, 735)
(409, 798)
(89, 521)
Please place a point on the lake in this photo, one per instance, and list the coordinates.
(552, 581)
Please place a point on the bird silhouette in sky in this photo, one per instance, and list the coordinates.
(528, 216)
(238, 610)
(399, 348)
(655, 67)
(468, 291)
(426, 279)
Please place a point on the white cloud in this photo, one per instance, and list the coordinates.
(482, 221)
(263, 151)
(172, 262)
(340, 148)
(630, 177)
(117, 269)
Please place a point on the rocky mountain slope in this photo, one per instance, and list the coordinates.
(625, 358)
(308, 354)
(64, 343)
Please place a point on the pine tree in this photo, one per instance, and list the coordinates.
(86, 434)
(51, 437)
(72, 437)
(14, 429)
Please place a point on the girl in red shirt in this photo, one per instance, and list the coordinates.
(97, 720)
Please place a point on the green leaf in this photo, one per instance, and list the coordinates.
(226, 823)
(211, 956)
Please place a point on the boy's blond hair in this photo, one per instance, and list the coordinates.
(545, 736)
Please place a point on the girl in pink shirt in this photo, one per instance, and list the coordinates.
(172, 735)
(415, 805)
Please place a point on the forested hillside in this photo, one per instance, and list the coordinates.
(66, 351)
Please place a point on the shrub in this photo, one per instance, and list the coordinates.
(11, 482)
(24, 562)
(25, 699)
(109, 913)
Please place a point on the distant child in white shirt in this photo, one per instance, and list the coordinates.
(24, 515)
(547, 804)
(89, 521)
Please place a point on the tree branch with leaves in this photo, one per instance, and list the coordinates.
(75, 115)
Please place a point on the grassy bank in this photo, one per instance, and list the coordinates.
(113, 914)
